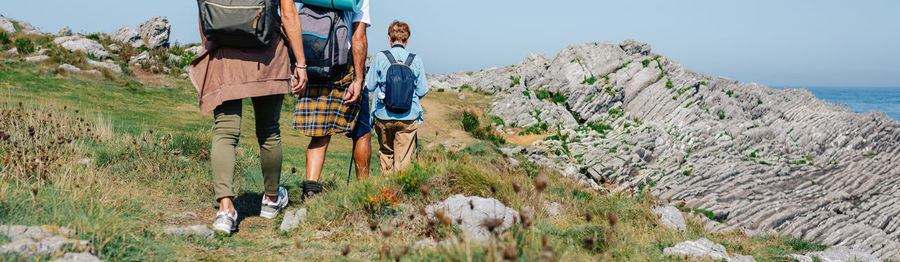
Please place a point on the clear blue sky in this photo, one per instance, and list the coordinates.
(773, 42)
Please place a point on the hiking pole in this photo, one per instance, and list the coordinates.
(352, 154)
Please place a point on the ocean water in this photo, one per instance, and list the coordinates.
(862, 99)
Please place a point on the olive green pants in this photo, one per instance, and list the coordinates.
(227, 132)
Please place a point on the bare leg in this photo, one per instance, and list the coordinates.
(226, 204)
(315, 157)
(362, 156)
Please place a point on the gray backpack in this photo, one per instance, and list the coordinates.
(239, 23)
(325, 42)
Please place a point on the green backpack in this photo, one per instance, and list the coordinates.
(239, 23)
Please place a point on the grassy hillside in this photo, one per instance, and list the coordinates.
(120, 159)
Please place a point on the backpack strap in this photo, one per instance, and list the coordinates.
(409, 59)
(389, 56)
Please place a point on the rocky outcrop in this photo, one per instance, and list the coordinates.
(65, 31)
(79, 43)
(704, 249)
(127, 35)
(7, 24)
(836, 254)
(670, 217)
(477, 217)
(155, 32)
(45, 242)
(764, 159)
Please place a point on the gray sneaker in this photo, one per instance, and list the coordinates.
(225, 222)
(270, 210)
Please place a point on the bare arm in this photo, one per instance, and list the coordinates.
(290, 19)
(360, 48)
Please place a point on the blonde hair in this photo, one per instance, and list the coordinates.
(398, 31)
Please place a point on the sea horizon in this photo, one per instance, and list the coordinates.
(857, 98)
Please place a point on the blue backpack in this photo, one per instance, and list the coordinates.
(399, 84)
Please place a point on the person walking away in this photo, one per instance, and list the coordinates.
(246, 56)
(328, 104)
(397, 78)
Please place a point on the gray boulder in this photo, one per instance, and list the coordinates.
(140, 58)
(128, 36)
(37, 58)
(195, 50)
(78, 43)
(65, 31)
(475, 216)
(7, 25)
(155, 32)
(28, 28)
(41, 241)
(670, 217)
(292, 219)
(201, 231)
(70, 68)
(700, 249)
(108, 65)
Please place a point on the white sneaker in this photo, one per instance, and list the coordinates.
(270, 210)
(226, 222)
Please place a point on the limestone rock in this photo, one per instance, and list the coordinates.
(195, 50)
(155, 32)
(127, 35)
(65, 31)
(292, 219)
(37, 58)
(475, 215)
(28, 28)
(671, 217)
(742, 258)
(41, 241)
(78, 43)
(700, 249)
(553, 208)
(835, 254)
(140, 58)
(78, 257)
(7, 25)
(70, 68)
(201, 231)
(737, 149)
(108, 65)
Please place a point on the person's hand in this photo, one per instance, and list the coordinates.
(353, 91)
(299, 81)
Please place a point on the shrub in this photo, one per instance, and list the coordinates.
(615, 112)
(24, 46)
(472, 125)
(559, 99)
(542, 94)
(515, 80)
(4, 38)
(440, 90)
(526, 93)
(721, 114)
(599, 127)
(645, 63)
(609, 90)
(589, 81)
(669, 84)
(465, 86)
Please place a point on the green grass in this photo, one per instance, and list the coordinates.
(589, 80)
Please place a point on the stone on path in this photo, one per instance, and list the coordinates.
(41, 241)
(196, 230)
(475, 215)
(292, 219)
(700, 249)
